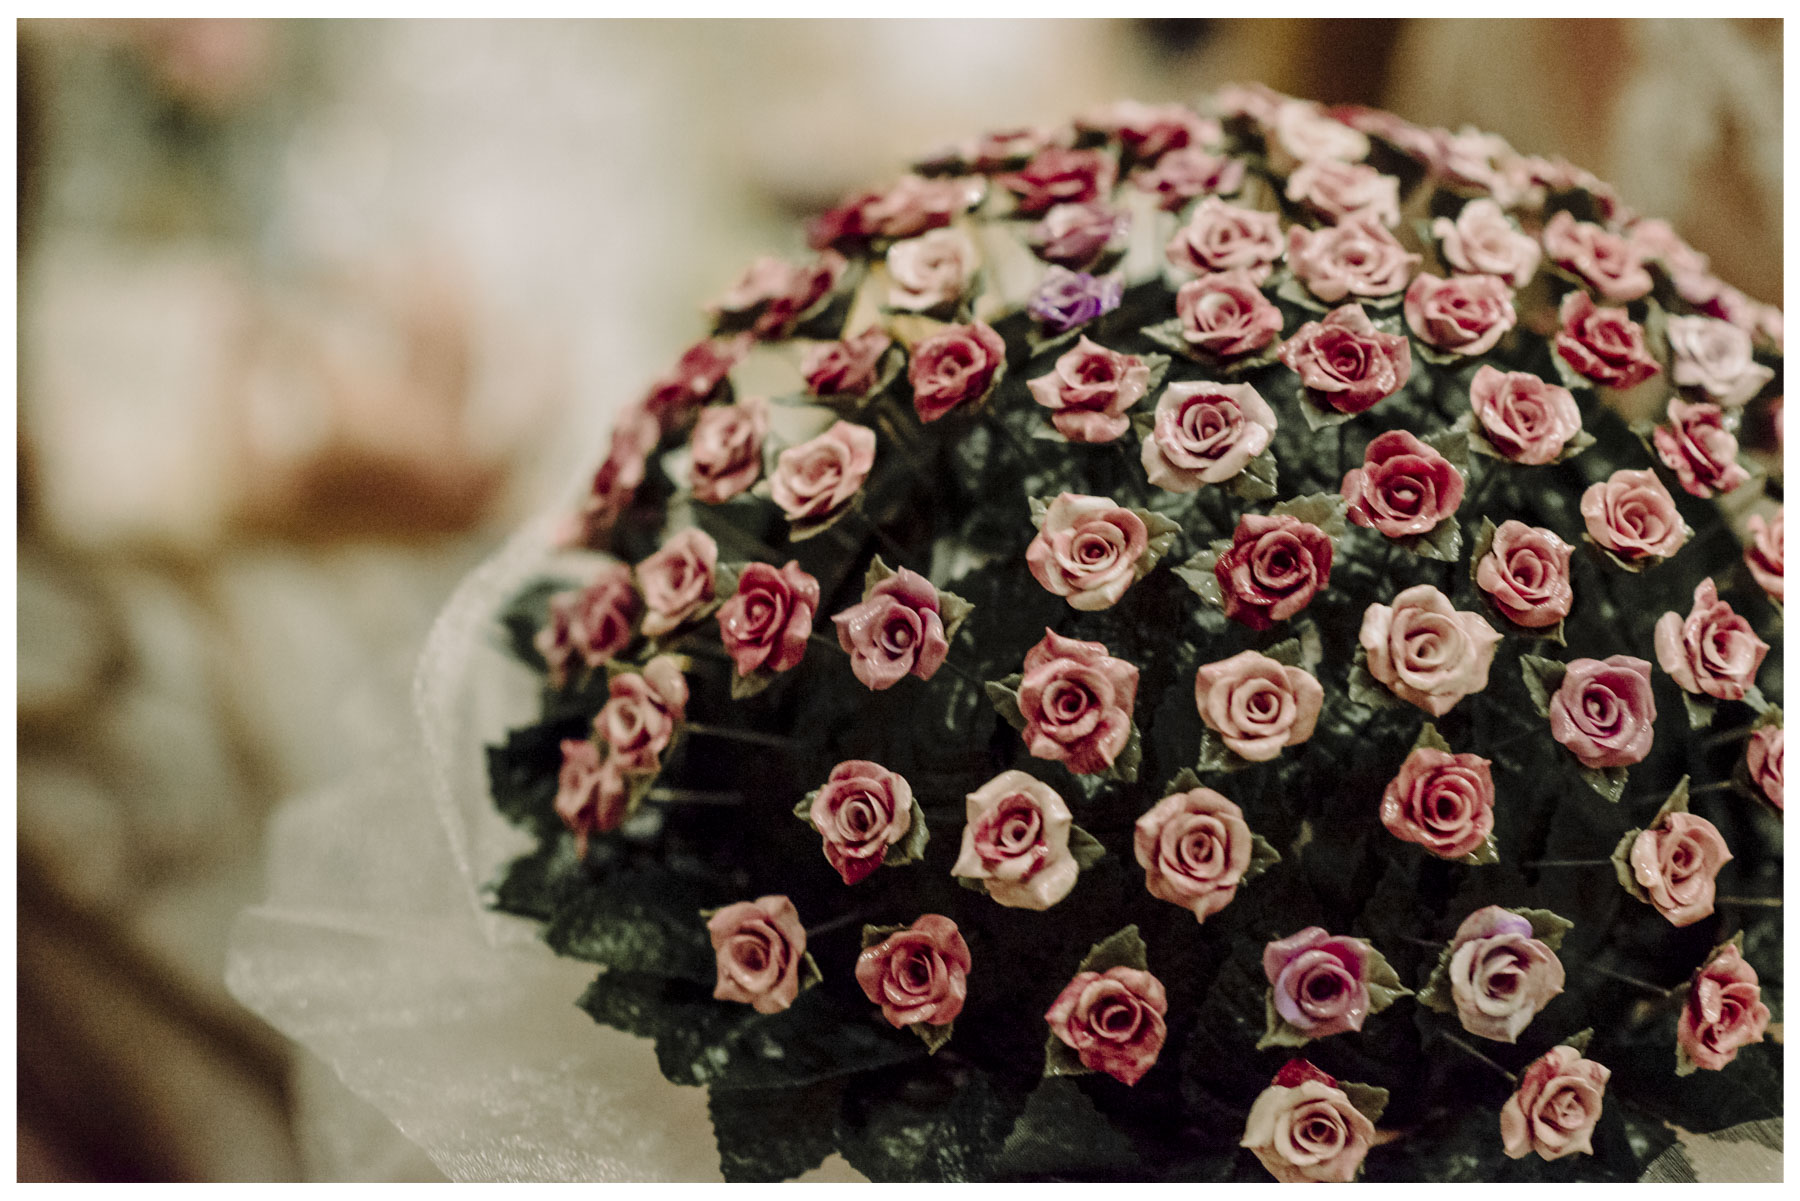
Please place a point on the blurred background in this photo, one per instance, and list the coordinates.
(311, 314)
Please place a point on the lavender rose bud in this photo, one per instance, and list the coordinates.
(1068, 299)
(1500, 976)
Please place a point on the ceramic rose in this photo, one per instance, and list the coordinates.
(1404, 487)
(1712, 651)
(758, 947)
(1338, 190)
(1765, 555)
(1603, 344)
(1077, 702)
(1604, 712)
(1077, 236)
(1186, 174)
(1426, 651)
(1631, 514)
(675, 397)
(1355, 258)
(931, 271)
(861, 811)
(955, 366)
(1500, 976)
(592, 624)
(1225, 315)
(1526, 574)
(1556, 1106)
(1607, 262)
(1087, 551)
(1303, 1128)
(1723, 1011)
(1066, 300)
(1481, 241)
(1090, 391)
(916, 204)
(1016, 842)
(1676, 862)
(1466, 314)
(773, 294)
(846, 368)
(1699, 448)
(1113, 1020)
(1345, 363)
(1763, 762)
(1715, 357)
(1194, 848)
(638, 720)
(1319, 983)
(1226, 237)
(766, 624)
(616, 480)
(1442, 801)
(1148, 131)
(1256, 705)
(677, 581)
(1525, 418)
(819, 477)
(1302, 132)
(1205, 433)
(919, 975)
(896, 631)
(590, 795)
(1273, 569)
(727, 446)
(1056, 175)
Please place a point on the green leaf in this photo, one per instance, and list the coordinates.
(1276, 1030)
(642, 924)
(934, 1036)
(1317, 416)
(1286, 653)
(1442, 542)
(1122, 948)
(1437, 993)
(1574, 446)
(1159, 370)
(911, 847)
(1436, 357)
(1542, 678)
(1369, 1100)
(1547, 927)
(1700, 709)
(1258, 480)
(1215, 756)
(1580, 1040)
(771, 1135)
(1609, 782)
(803, 807)
(1041, 342)
(1004, 696)
(1163, 533)
(1263, 856)
(1676, 802)
(1125, 767)
(1754, 697)
(1479, 444)
(953, 610)
(1383, 982)
(1431, 739)
(1621, 861)
(874, 936)
(801, 531)
(973, 884)
(1062, 1135)
(878, 572)
(1168, 334)
(1323, 509)
(1453, 444)
(743, 687)
(809, 973)
(1296, 293)
(1486, 854)
(1185, 781)
(1060, 1059)
(1040, 509)
(1085, 848)
(1364, 689)
(1197, 573)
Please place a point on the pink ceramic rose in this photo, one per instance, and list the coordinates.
(1723, 1011)
(1713, 651)
(1319, 982)
(846, 368)
(1181, 175)
(920, 975)
(1345, 363)
(1016, 842)
(1302, 132)
(1273, 569)
(1607, 262)
(1356, 257)
(1205, 434)
(1765, 554)
(819, 477)
(1444, 802)
(1481, 241)
(727, 446)
(1631, 514)
(1466, 314)
(1057, 175)
(1077, 235)
(1500, 976)
(1526, 574)
(593, 624)
(1676, 862)
(1227, 237)
(1338, 190)
(758, 947)
(767, 623)
(1715, 357)
(1700, 449)
(778, 293)
(896, 631)
(916, 204)
(1194, 848)
(673, 399)
(1113, 1020)
(1762, 762)
(1426, 651)
(1304, 1129)
(1257, 705)
(1604, 345)
(1225, 315)
(677, 580)
(615, 481)
(638, 720)
(590, 795)
(1090, 390)
(1403, 487)
(930, 271)
(1148, 131)
(1087, 550)
(955, 366)
(861, 811)
(1523, 417)
(1556, 1106)
(1077, 702)
(1604, 712)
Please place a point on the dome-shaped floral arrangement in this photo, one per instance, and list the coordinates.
(1180, 670)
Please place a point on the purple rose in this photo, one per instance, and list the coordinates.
(1067, 299)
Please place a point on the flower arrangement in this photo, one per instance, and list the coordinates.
(1276, 716)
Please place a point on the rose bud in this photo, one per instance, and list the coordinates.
(954, 366)
(1606, 262)
(896, 631)
(1604, 712)
(638, 720)
(1056, 175)
(917, 975)
(594, 623)
(1224, 314)
(1067, 299)
(1090, 390)
(1357, 257)
(916, 204)
(846, 368)
(1723, 1011)
(1076, 236)
(1481, 241)
(758, 946)
(1256, 705)
(677, 581)
(1181, 175)
(1194, 848)
(1337, 191)
(1205, 433)
(1556, 1106)
(1762, 761)
(1087, 550)
(1275, 566)
(1442, 801)
(1631, 514)
(616, 481)
(1303, 1128)
(818, 478)
(1345, 363)
(674, 398)
(1426, 651)
(1077, 702)
(590, 795)
(1526, 574)
(767, 622)
(1320, 983)
(1765, 554)
(930, 271)
(1715, 357)
(727, 447)
(1713, 652)
(1227, 237)
(1699, 449)
(1403, 487)
(1604, 345)
(861, 811)
(1016, 842)
(1465, 315)
(1113, 1020)
(1500, 976)
(1675, 862)
(1525, 418)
